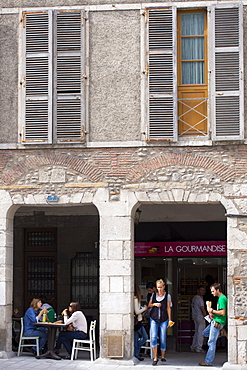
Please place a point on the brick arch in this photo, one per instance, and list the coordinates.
(32, 162)
(146, 167)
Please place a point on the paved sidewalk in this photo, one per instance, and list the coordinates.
(175, 361)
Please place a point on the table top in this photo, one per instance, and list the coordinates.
(50, 324)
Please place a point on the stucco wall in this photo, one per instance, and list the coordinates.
(9, 78)
(114, 63)
(114, 71)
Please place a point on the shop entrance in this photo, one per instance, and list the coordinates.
(182, 276)
(183, 244)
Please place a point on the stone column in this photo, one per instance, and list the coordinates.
(237, 288)
(116, 270)
(6, 274)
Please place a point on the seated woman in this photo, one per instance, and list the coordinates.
(79, 328)
(33, 315)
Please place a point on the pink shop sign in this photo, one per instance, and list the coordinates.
(180, 249)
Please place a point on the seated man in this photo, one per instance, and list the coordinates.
(51, 315)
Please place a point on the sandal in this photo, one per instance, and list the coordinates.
(155, 362)
(163, 360)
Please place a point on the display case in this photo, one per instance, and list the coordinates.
(184, 310)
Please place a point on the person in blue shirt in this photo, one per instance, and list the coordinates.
(32, 315)
(51, 315)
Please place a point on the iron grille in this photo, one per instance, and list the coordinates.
(85, 279)
(41, 276)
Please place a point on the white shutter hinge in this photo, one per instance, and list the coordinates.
(84, 76)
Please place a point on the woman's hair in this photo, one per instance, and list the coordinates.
(34, 303)
(75, 306)
(137, 293)
(160, 281)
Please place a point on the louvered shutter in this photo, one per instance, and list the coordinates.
(227, 76)
(36, 79)
(162, 102)
(69, 80)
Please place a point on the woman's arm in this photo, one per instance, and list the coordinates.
(70, 320)
(30, 314)
(151, 304)
(40, 314)
(169, 310)
(137, 308)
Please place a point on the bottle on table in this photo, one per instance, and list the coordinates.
(44, 316)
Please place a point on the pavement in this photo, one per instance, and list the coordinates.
(175, 361)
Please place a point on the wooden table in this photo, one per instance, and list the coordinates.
(52, 328)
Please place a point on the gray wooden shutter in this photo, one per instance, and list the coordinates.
(69, 80)
(227, 76)
(36, 78)
(162, 110)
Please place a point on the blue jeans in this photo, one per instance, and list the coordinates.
(65, 337)
(213, 335)
(140, 337)
(158, 329)
(41, 333)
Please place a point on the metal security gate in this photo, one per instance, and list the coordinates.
(85, 279)
(40, 250)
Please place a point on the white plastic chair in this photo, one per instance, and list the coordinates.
(23, 339)
(147, 346)
(85, 344)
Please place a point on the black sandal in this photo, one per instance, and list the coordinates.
(163, 360)
(155, 362)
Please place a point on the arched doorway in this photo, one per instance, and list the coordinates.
(184, 244)
(56, 255)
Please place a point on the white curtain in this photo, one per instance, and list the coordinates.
(192, 30)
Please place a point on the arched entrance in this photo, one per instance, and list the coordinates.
(184, 244)
(56, 256)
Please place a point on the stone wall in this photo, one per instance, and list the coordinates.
(117, 181)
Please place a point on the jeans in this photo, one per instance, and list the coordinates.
(140, 337)
(41, 333)
(200, 324)
(213, 335)
(65, 337)
(158, 329)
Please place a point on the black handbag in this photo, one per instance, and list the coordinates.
(137, 324)
(147, 313)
